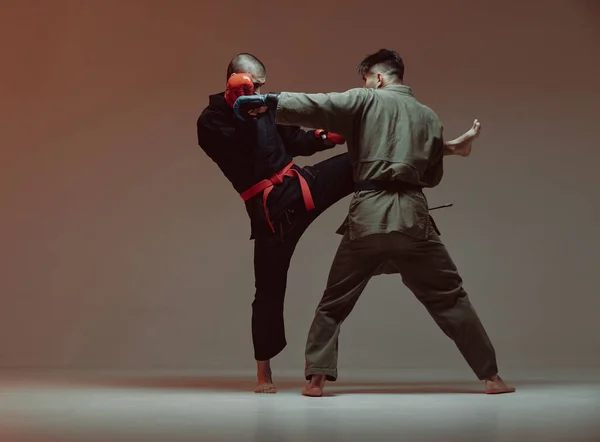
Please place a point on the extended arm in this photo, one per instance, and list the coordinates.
(334, 112)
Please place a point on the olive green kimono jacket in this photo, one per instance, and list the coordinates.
(390, 136)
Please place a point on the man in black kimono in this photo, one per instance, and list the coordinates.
(282, 199)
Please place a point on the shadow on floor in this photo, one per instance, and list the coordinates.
(247, 385)
(242, 385)
(412, 388)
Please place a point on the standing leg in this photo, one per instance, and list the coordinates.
(429, 272)
(354, 264)
(272, 256)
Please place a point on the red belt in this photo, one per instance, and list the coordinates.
(267, 185)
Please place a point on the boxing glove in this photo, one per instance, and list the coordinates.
(237, 86)
(245, 104)
(329, 137)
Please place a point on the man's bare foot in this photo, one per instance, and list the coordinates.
(495, 385)
(264, 382)
(315, 387)
(462, 145)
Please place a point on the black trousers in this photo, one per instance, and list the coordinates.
(426, 268)
(273, 253)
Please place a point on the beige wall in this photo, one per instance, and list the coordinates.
(123, 246)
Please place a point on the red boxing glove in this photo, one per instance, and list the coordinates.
(330, 137)
(238, 85)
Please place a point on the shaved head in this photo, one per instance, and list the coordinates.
(248, 63)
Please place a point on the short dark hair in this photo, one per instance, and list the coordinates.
(390, 59)
(244, 62)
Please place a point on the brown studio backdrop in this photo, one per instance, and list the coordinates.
(122, 246)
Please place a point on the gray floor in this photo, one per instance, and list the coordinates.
(37, 407)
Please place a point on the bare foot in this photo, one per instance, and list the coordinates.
(264, 382)
(266, 387)
(315, 386)
(495, 385)
(462, 145)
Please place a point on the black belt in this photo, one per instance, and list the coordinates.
(390, 186)
(397, 187)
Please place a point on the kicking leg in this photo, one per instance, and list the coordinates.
(333, 181)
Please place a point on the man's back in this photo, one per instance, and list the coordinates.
(400, 140)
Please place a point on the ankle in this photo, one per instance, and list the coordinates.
(317, 379)
(263, 365)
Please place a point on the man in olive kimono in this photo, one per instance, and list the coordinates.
(396, 147)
